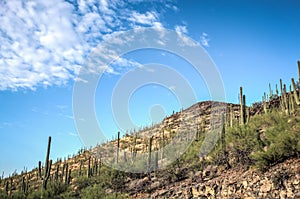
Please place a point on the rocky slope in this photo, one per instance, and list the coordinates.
(280, 181)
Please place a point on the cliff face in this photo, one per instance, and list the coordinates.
(280, 181)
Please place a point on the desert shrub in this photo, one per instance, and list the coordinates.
(282, 141)
(83, 182)
(284, 145)
(240, 143)
(54, 191)
(265, 141)
(92, 192)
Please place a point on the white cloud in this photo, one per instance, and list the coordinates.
(44, 43)
(181, 29)
(36, 38)
(69, 117)
(204, 39)
(148, 18)
(126, 63)
(183, 40)
(73, 134)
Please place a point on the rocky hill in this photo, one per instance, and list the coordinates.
(209, 150)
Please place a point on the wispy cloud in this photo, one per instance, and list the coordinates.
(73, 134)
(69, 117)
(148, 18)
(44, 43)
(204, 39)
(39, 111)
(183, 40)
(181, 29)
(9, 124)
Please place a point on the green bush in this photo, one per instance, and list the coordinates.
(280, 139)
(265, 141)
(54, 191)
(284, 145)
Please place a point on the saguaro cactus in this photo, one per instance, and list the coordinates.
(47, 165)
(299, 72)
(118, 149)
(62, 173)
(69, 177)
(264, 100)
(24, 185)
(134, 147)
(281, 97)
(149, 153)
(6, 187)
(223, 143)
(242, 107)
(40, 169)
(291, 105)
(231, 115)
(163, 143)
(295, 92)
(80, 168)
(247, 115)
(96, 167)
(270, 91)
(89, 168)
(56, 172)
(66, 175)
(285, 100)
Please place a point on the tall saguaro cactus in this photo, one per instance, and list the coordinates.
(149, 154)
(285, 101)
(242, 106)
(282, 97)
(56, 173)
(270, 91)
(6, 187)
(47, 165)
(264, 100)
(231, 115)
(118, 150)
(163, 143)
(66, 175)
(244, 109)
(299, 71)
(134, 147)
(24, 185)
(40, 169)
(223, 143)
(89, 168)
(295, 92)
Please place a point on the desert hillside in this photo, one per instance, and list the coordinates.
(255, 154)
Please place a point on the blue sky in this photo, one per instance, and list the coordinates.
(44, 45)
